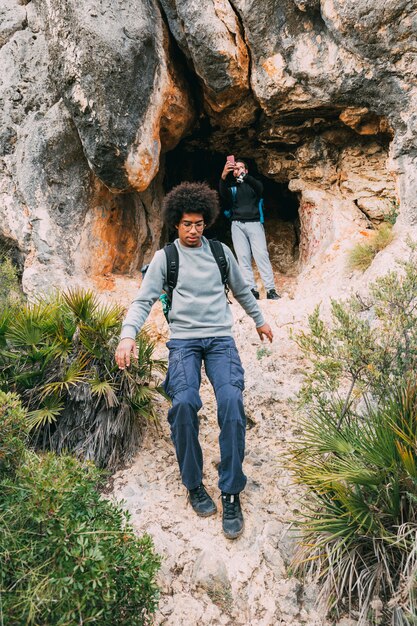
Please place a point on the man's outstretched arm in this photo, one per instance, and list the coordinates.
(139, 310)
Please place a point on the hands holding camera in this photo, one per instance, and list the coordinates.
(229, 167)
(238, 169)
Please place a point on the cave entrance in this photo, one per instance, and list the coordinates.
(282, 222)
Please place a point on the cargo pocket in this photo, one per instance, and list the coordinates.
(237, 373)
(175, 380)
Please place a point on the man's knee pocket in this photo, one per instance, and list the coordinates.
(176, 379)
(229, 394)
(187, 398)
(237, 373)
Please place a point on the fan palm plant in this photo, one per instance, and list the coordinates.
(58, 354)
(360, 524)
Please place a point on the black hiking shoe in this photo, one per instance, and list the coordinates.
(272, 295)
(255, 294)
(201, 502)
(232, 515)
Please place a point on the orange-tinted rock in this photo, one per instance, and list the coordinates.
(364, 122)
(169, 116)
(110, 240)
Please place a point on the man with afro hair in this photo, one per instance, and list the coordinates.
(200, 322)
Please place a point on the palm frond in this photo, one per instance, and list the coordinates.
(81, 302)
(47, 413)
(75, 373)
(104, 389)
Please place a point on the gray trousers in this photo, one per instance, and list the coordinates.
(249, 240)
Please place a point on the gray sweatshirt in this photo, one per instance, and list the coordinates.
(199, 305)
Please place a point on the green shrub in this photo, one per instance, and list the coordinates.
(362, 254)
(383, 237)
(10, 290)
(357, 455)
(367, 348)
(360, 519)
(392, 215)
(58, 355)
(67, 556)
(13, 432)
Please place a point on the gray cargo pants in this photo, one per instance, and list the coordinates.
(249, 240)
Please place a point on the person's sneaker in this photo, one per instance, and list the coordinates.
(272, 295)
(255, 294)
(232, 515)
(201, 502)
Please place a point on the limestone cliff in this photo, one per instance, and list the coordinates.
(320, 94)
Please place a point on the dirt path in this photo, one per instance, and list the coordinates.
(205, 578)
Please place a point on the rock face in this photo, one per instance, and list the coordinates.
(320, 94)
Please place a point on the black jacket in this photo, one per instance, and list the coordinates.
(245, 208)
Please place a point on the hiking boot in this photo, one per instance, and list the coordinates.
(255, 294)
(272, 295)
(201, 502)
(232, 515)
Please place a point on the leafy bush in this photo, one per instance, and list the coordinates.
(13, 432)
(360, 524)
(391, 216)
(362, 254)
(369, 346)
(58, 355)
(357, 455)
(67, 556)
(10, 290)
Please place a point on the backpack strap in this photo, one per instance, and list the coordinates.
(173, 262)
(228, 212)
(261, 210)
(220, 258)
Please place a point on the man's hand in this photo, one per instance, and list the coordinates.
(266, 331)
(229, 167)
(239, 171)
(126, 348)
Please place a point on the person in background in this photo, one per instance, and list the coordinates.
(242, 192)
(200, 322)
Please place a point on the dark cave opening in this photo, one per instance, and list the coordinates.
(282, 223)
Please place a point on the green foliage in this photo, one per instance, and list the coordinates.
(391, 217)
(360, 519)
(362, 254)
(10, 291)
(357, 455)
(68, 556)
(367, 348)
(58, 355)
(13, 432)
(383, 237)
(261, 352)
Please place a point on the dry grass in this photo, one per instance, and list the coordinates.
(362, 254)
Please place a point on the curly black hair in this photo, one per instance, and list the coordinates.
(190, 198)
